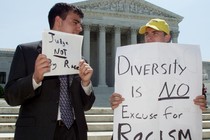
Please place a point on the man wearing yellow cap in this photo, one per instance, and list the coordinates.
(156, 30)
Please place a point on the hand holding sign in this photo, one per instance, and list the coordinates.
(63, 50)
(85, 72)
(42, 65)
(159, 82)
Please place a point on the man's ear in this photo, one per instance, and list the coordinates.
(57, 23)
(168, 38)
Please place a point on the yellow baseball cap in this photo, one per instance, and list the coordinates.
(157, 24)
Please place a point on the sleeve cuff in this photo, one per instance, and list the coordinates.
(88, 89)
(35, 85)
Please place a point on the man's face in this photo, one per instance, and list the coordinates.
(72, 24)
(152, 35)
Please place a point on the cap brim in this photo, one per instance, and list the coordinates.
(142, 30)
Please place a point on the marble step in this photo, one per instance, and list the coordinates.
(89, 117)
(3, 102)
(94, 110)
(100, 110)
(99, 119)
(207, 111)
(206, 124)
(9, 110)
(10, 118)
(92, 126)
(206, 134)
(91, 136)
(206, 116)
(95, 126)
(97, 135)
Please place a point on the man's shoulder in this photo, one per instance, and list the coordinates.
(28, 44)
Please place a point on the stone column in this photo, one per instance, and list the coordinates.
(174, 36)
(86, 43)
(102, 57)
(117, 43)
(133, 35)
(117, 38)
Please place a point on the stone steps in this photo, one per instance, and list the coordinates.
(99, 120)
(91, 136)
(205, 116)
(205, 123)
(90, 118)
(94, 110)
(95, 122)
(92, 127)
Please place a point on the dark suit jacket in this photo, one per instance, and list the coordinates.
(39, 108)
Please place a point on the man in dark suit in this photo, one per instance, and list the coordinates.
(40, 116)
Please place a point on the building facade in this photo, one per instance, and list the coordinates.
(6, 56)
(109, 24)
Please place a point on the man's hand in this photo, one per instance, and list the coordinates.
(42, 65)
(200, 101)
(115, 99)
(85, 72)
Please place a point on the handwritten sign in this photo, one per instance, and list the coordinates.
(64, 51)
(159, 82)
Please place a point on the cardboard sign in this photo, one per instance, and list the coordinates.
(64, 51)
(159, 82)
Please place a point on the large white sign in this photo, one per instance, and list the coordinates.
(64, 51)
(159, 82)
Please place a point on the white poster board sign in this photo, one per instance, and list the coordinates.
(159, 82)
(64, 51)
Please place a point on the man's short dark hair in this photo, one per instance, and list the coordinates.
(62, 10)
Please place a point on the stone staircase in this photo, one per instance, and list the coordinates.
(100, 122)
(206, 124)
